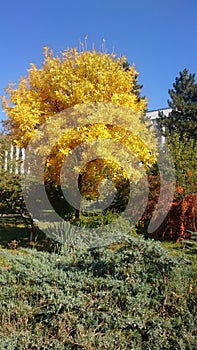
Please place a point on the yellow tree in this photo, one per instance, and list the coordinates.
(99, 91)
(65, 81)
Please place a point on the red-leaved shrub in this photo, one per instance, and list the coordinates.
(181, 217)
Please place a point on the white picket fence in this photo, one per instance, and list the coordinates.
(12, 160)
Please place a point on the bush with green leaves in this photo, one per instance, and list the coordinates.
(136, 296)
(184, 153)
(11, 197)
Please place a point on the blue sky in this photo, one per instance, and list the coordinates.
(158, 36)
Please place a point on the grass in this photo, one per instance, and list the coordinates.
(181, 248)
(15, 228)
(15, 232)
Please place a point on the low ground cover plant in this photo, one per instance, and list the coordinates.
(136, 296)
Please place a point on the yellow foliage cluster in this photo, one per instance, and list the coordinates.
(65, 81)
(95, 131)
(81, 97)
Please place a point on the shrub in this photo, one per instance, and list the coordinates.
(11, 198)
(182, 215)
(137, 297)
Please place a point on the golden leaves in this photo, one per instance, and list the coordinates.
(81, 80)
(62, 82)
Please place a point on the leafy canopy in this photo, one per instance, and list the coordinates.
(183, 118)
(62, 82)
(75, 80)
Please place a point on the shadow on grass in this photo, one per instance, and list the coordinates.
(16, 232)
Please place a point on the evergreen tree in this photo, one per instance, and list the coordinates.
(183, 117)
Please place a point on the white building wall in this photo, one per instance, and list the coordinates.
(153, 115)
